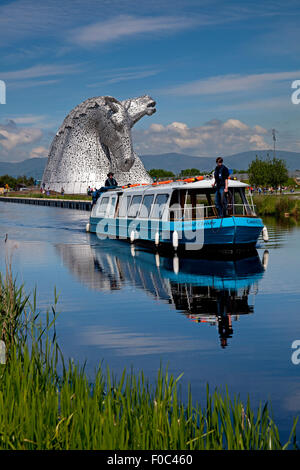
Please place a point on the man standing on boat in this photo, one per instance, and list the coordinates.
(110, 180)
(221, 182)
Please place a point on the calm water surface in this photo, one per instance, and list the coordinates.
(222, 322)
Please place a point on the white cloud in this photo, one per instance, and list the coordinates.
(178, 126)
(235, 124)
(38, 71)
(221, 84)
(123, 26)
(31, 83)
(125, 74)
(257, 141)
(260, 130)
(133, 343)
(12, 136)
(40, 121)
(29, 18)
(156, 127)
(39, 152)
(28, 119)
(278, 103)
(213, 137)
(27, 78)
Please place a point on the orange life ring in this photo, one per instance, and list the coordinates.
(187, 180)
(165, 182)
(193, 180)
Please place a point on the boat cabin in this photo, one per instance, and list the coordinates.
(172, 202)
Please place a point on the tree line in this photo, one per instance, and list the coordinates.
(13, 183)
(261, 172)
(160, 173)
(268, 173)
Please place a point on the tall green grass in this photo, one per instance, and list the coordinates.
(277, 206)
(12, 308)
(41, 408)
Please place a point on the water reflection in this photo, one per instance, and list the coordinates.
(279, 230)
(207, 291)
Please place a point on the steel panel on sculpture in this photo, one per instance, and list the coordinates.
(95, 138)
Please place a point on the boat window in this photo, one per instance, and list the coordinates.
(124, 204)
(111, 207)
(177, 204)
(235, 202)
(248, 209)
(194, 198)
(102, 207)
(146, 206)
(134, 206)
(192, 204)
(159, 206)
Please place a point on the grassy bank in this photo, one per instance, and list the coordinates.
(42, 409)
(279, 206)
(39, 195)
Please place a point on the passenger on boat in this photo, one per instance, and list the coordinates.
(111, 180)
(95, 196)
(97, 193)
(221, 182)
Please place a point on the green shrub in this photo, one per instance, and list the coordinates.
(277, 205)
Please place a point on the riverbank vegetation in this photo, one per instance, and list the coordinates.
(38, 195)
(47, 403)
(9, 182)
(268, 172)
(279, 206)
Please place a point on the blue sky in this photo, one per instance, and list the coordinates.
(220, 72)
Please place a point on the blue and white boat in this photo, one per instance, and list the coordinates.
(180, 215)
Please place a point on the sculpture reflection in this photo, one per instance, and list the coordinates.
(212, 291)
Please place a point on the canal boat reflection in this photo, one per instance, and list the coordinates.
(207, 291)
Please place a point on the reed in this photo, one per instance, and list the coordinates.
(12, 308)
(277, 206)
(41, 408)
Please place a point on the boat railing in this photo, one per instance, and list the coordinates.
(202, 211)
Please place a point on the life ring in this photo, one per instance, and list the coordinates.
(194, 179)
(186, 180)
(165, 182)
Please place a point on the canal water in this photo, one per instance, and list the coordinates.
(223, 322)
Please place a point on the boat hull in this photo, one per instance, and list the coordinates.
(219, 233)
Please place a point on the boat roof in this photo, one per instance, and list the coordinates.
(202, 184)
(207, 184)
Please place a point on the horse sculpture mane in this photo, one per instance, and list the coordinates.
(95, 138)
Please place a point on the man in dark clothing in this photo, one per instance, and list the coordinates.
(110, 180)
(221, 182)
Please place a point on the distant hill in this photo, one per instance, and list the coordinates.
(168, 161)
(31, 167)
(240, 161)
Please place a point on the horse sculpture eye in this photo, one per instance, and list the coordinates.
(117, 121)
